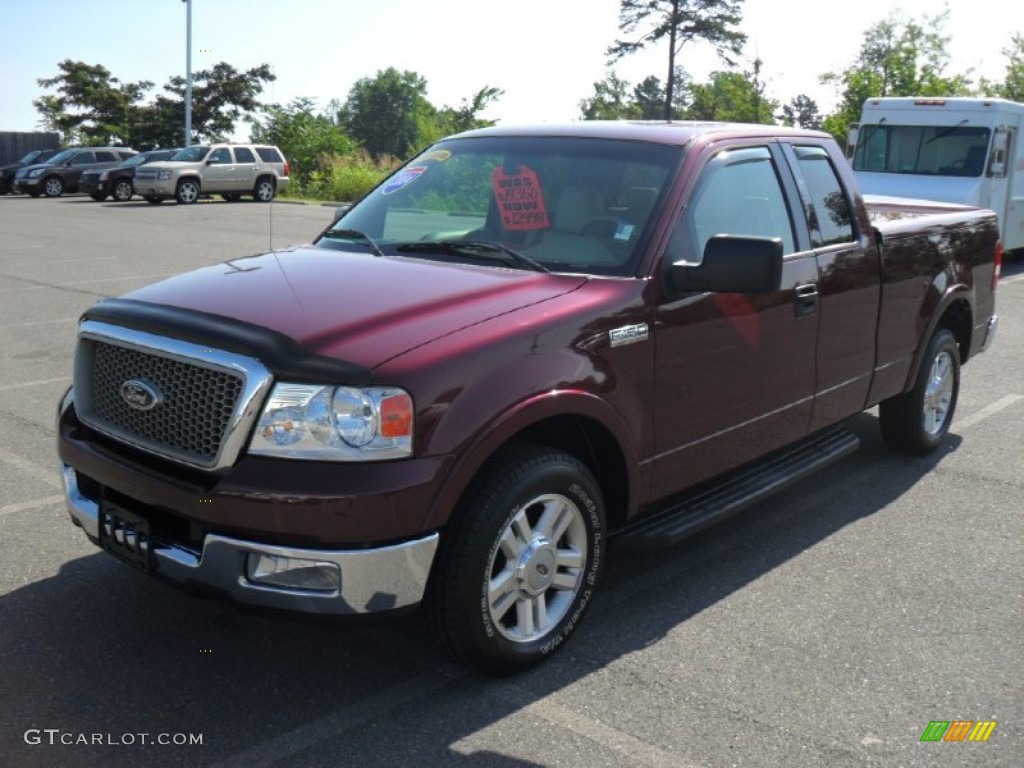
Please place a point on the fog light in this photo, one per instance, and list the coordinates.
(293, 572)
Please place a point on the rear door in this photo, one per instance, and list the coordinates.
(246, 166)
(73, 171)
(734, 373)
(848, 291)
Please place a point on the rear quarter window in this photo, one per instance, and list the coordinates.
(269, 155)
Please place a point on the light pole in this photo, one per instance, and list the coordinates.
(188, 72)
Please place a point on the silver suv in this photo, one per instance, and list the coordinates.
(230, 170)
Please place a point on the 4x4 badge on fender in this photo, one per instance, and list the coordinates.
(141, 395)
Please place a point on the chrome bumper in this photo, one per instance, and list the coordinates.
(990, 331)
(371, 580)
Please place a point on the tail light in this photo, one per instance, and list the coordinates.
(998, 268)
(287, 169)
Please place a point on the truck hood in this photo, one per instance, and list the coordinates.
(951, 189)
(356, 307)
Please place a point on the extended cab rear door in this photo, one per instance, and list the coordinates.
(848, 291)
(734, 373)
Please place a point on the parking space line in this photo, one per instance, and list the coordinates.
(355, 714)
(40, 322)
(40, 262)
(36, 383)
(36, 285)
(989, 410)
(1014, 279)
(20, 506)
(14, 460)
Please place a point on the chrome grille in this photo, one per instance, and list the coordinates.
(196, 408)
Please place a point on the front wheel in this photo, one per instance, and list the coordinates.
(187, 192)
(917, 421)
(520, 561)
(122, 190)
(53, 186)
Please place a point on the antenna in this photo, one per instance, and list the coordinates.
(273, 200)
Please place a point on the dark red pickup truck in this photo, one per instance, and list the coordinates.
(524, 342)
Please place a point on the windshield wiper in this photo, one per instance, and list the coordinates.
(477, 248)
(355, 234)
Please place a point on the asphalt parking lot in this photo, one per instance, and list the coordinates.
(826, 627)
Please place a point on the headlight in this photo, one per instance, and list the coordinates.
(164, 175)
(36, 173)
(310, 421)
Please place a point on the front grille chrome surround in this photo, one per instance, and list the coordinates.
(208, 399)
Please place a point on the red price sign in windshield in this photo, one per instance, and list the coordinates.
(520, 201)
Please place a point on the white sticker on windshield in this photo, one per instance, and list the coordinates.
(623, 231)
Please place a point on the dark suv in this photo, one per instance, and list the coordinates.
(7, 171)
(61, 172)
(117, 181)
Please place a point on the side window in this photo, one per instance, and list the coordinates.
(244, 155)
(83, 158)
(738, 194)
(220, 156)
(269, 155)
(828, 209)
(106, 157)
(125, 155)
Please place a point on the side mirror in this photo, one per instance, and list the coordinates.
(733, 264)
(851, 139)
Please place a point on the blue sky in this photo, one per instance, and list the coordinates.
(545, 53)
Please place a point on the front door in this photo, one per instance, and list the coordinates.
(735, 373)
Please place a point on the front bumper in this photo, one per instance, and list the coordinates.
(94, 186)
(155, 188)
(25, 186)
(370, 580)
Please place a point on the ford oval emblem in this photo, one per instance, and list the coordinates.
(140, 395)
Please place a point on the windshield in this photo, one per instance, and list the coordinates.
(28, 158)
(60, 157)
(926, 150)
(567, 203)
(138, 159)
(190, 154)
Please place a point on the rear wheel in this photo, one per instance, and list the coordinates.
(187, 192)
(264, 190)
(53, 186)
(122, 190)
(520, 560)
(917, 421)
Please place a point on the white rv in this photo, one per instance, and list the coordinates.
(959, 150)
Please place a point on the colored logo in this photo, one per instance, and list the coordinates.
(958, 730)
(140, 395)
(403, 178)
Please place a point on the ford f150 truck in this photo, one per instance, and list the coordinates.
(523, 343)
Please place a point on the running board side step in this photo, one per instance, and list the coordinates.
(743, 488)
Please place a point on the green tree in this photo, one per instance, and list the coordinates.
(1012, 87)
(90, 104)
(736, 97)
(610, 101)
(308, 138)
(649, 22)
(801, 112)
(388, 113)
(898, 57)
(221, 96)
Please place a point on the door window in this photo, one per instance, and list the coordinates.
(220, 156)
(244, 155)
(83, 158)
(828, 210)
(738, 194)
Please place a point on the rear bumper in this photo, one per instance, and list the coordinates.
(368, 580)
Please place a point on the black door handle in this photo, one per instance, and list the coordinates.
(805, 299)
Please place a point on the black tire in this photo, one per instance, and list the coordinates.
(917, 422)
(233, 197)
(188, 192)
(53, 186)
(122, 190)
(98, 197)
(154, 200)
(497, 577)
(264, 189)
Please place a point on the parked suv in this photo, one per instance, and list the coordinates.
(61, 172)
(117, 181)
(7, 171)
(230, 170)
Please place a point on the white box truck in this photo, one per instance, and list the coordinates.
(958, 150)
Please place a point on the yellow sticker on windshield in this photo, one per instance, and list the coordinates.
(438, 154)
